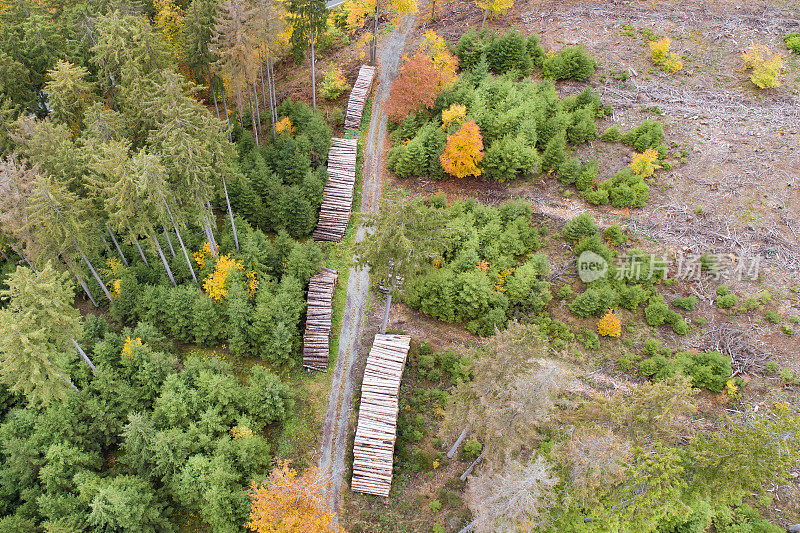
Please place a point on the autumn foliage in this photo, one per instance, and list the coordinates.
(422, 78)
(609, 325)
(463, 151)
(286, 502)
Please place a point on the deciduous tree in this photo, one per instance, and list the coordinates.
(291, 502)
(463, 151)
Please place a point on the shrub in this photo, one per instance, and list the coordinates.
(710, 370)
(585, 304)
(565, 293)
(509, 158)
(788, 331)
(645, 164)
(611, 135)
(792, 41)
(472, 448)
(772, 316)
(334, 84)
(766, 71)
(666, 60)
(581, 127)
(572, 63)
(648, 134)
(596, 196)
(726, 301)
(569, 171)
(688, 303)
(614, 235)
(536, 50)
(589, 339)
(579, 227)
(593, 243)
(626, 189)
(658, 367)
(609, 325)
(435, 506)
(507, 52)
(632, 296)
(657, 312)
(553, 156)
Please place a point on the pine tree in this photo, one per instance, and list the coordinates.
(36, 328)
(237, 48)
(69, 94)
(309, 18)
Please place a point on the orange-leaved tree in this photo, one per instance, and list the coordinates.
(463, 151)
(288, 502)
(422, 78)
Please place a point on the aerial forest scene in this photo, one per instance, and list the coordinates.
(400, 266)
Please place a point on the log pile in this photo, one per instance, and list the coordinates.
(373, 449)
(316, 339)
(355, 106)
(337, 199)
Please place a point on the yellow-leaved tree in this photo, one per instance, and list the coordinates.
(497, 7)
(646, 163)
(287, 502)
(463, 151)
(454, 113)
(609, 325)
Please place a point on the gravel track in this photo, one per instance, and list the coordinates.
(351, 348)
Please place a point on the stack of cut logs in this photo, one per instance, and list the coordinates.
(373, 449)
(337, 199)
(316, 340)
(355, 106)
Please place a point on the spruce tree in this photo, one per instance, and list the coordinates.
(36, 331)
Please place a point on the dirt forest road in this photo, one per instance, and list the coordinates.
(337, 416)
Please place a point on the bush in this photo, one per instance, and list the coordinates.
(657, 312)
(658, 367)
(726, 301)
(648, 134)
(536, 50)
(792, 41)
(572, 63)
(593, 301)
(710, 370)
(472, 448)
(510, 158)
(688, 303)
(581, 127)
(626, 189)
(334, 84)
(614, 235)
(569, 171)
(609, 325)
(507, 52)
(579, 227)
(586, 179)
(553, 156)
(632, 296)
(611, 135)
(772, 316)
(766, 71)
(593, 243)
(666, 60)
